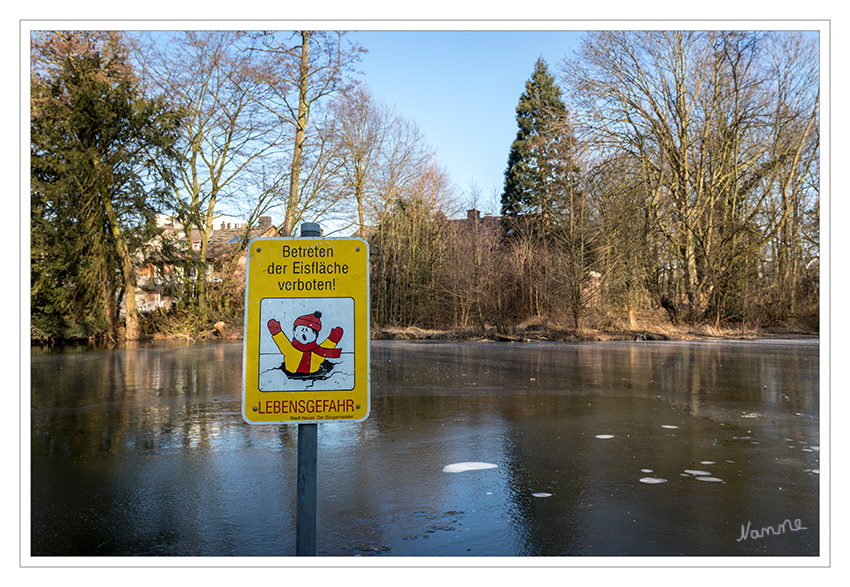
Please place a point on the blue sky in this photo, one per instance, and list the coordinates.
(461, 86)
(462, 89)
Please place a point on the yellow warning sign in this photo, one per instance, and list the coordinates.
(306, 356)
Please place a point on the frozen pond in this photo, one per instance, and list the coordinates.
(471, 449)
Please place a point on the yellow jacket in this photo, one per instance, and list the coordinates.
(294, 358)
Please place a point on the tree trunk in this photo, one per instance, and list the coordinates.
(131, 325)
(201, 275)
(289, 221)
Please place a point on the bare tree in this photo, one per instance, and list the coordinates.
(226, 134)
(408, 249)
(407, 161)
(361, 130)
(707, 122)
(298, 71)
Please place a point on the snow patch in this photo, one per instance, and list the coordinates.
(461, 467)
(652, 480)
(604, 436)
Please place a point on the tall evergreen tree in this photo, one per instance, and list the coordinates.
(94, 187)
(534, 163)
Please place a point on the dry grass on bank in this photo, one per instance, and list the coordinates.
(600, 328)
(556, 334)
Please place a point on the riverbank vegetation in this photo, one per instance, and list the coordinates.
(661, 184)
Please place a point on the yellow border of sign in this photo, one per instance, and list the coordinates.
(312, 268)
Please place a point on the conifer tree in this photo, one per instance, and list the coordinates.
(533, 172)
(93, 138)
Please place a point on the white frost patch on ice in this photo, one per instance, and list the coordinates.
(714, 479)
(670, 426)
(697, 473)
(461, 467)
(646, 470)
(706, 462)
(541, 495)
(604, 436)
(652, 480)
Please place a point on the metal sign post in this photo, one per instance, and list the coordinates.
(305, 492)
(306, 349)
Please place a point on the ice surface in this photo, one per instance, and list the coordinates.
(461, 467)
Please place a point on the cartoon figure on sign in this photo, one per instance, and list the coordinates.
(303, 357)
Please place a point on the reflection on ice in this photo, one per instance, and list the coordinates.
(461, 467)
(695, 472)
(173, 441)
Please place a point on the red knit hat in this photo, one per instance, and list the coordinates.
(310, 320)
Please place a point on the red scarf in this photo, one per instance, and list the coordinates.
(312, 347)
